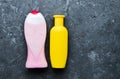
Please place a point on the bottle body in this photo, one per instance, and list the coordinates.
(58, 46)
(35, 35)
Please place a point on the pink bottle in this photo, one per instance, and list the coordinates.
(35, 35)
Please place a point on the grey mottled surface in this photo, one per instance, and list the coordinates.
(94, 38)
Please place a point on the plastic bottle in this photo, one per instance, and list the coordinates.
(35, 35)
(58, 43)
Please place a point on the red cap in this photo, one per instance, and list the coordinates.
(34, 11)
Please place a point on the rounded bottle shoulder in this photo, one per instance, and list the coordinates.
(59, 28)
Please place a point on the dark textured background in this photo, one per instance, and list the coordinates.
(94, 38)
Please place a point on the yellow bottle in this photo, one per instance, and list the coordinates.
(58, 43)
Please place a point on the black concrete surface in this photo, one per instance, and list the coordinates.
(94, 38)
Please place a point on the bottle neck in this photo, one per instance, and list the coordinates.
(59, 21)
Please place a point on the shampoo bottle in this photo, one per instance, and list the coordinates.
(35, 36)
(58, 43)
